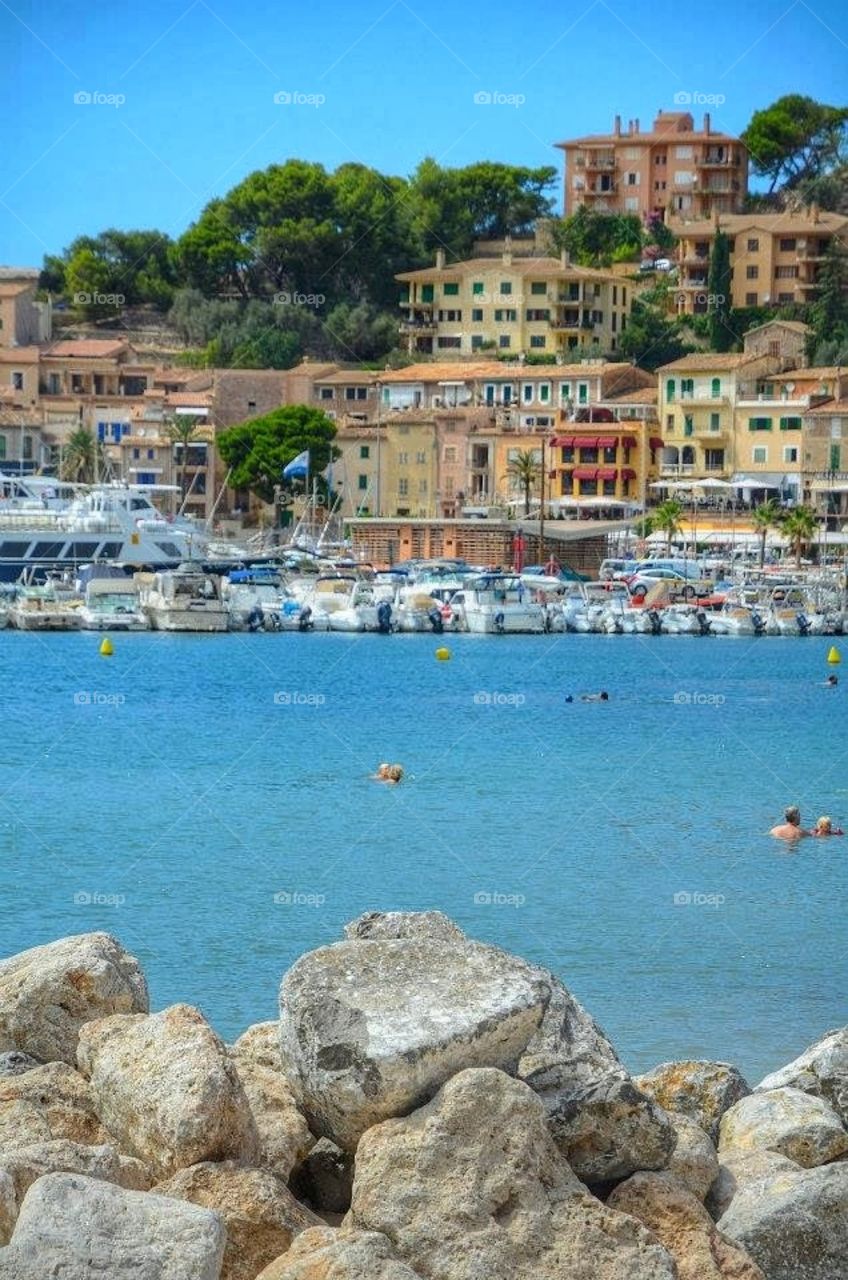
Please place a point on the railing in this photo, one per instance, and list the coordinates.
(600, 162)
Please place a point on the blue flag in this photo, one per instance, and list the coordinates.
(298, 468)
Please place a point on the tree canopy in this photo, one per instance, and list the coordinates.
(257, 450)
(796, 140)
(596, 239)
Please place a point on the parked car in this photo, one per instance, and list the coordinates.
(664, 264)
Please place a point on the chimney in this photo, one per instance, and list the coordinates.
(440, 259)
(706, 122)
(506, 257)
(616, 128)
(629, 126)
(636, 125)
(564, 258)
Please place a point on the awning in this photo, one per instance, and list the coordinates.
(586, 442)
(607, 473)
(627, 473)
(763, 480)
(656, 442)
(629, 442)
(585, 473)
(562, 442)
(607, 442)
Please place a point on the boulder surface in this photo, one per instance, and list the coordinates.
(701, 1090)
(284, 1136)
(324, 1254)
(821, 1070)
(48, 1102)
(796, 1124)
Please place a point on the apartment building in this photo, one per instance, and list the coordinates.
(512, 305)
(670, 168)
(24, 321)
(824, 474)
(775, 258)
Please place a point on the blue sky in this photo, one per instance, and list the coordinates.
(384, 82)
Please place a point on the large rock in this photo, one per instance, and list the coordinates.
(25, 1165)
(684, 1228)
(15, 1063)
(51, 1101)
(325, 1179)
(703, 1091)
(795, 1225)
(49, 992)
(8, 1207)
(798, 1125)
(736, 1168)
(324, 1254)
(404, 924)
(472, 1185)
(604, 1126)
(80, 1228)
(284, 1136)
(821, 1070)
(694, 1162)
(262, 1217)
(372, 1028)
(167, 1089)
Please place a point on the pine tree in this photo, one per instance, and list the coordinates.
(718, 288)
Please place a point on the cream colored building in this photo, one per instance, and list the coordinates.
(513, 305)
(775, 258)
(671, 167)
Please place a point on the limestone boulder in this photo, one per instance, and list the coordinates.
(167, 1089)
(15, 1063)
(683, 1226)
(796, 1124)
(8, 1206)
(694, 1161)
(794, 1225)
(701, 1090)
(325, 1179)
(604, 1126)
(736, 1168)
(821, 1070)
(324, 1254)
(404, 924)
(81, 1228)
(48, 1102)
(261, 1215)
(283, 1134)
(372, 1028)
(49, 992)
(25, 1165)
(472, 1185)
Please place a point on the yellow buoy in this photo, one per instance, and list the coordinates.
(106, 649)
(834, 657)
(443, 654)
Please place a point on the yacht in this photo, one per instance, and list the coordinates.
(497, 604)
(41, 608)
(112, 604)
(183, 599)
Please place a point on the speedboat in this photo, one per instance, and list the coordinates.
(112, 604)
(415, 610)
(251, 595)
(183, 599)
(684, 620)
(497, 604)
(40, 609)
(740, 615)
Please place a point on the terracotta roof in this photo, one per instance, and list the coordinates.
(447, 371)
(639, 395)
(20, 355)
(831, 409)
(11, 288)
(797, 326)
(652, 137)
(815, 372)
(20, 417)
(548, 268)
(189, 399)
(799, 223)
(705, 361)
(87, 348)
(350, 377)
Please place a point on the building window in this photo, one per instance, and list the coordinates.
(564, 391)
(632, 179)
(362, 482)
(683, 153)
(759, 453)
(509, 315)
(752, 273)
(422, 488)
(365, 451)
(687, 386)
(403, 459)
(136, 453)
(506, 287)
(790, 454)
(477, 287)
(582, 392)
(545, 392)
(538, 288)
(477, 341)
(476, 315)
(715, 388)
(151, 455)
(535, 314)
(450, 290)
(750, 299)
(715, 422)
(786, 297)
(688, 425)
(669, 389)
(451, 316)
(326, 393)
(759, 424)
(420, 457)
(449, 343)
(537, 340)
(427, 293)
(788, 245)
(753, 246)
(786, 273)
(669, 423)
(18, 381)
(450, 453)
(790, 424)
(527, 391)
(403, 487)
(504, 340)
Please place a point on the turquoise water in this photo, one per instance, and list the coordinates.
(167, 786)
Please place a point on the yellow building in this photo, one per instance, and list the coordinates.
(672, 166)
(387, 469)
(512, 305)
(775, 258)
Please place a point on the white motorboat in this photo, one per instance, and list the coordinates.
(40, 609)
(183, 599)
(112, 604)
(740, 615)
(684, 620)
(497, 604)
(253, 596)
(416, 610)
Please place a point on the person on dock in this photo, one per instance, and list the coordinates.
(790, 828)
(825, 827)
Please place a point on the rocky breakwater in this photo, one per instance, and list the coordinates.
(426, 1107)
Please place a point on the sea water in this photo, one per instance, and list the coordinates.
(208, 801)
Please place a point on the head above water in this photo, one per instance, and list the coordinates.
(793, 815)
(604, 696)
(824, 825)
(394, 772)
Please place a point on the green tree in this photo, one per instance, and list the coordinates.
(828, 314)
(795, 140)
(256, 451)
(800, 527)
(360, 331)
(450, 208)
(653, 337)
(524, 469)
(666, 519)
(719, 285)
(182, 430)
(82, 459)
(132, 266)
(594, 239)
(767, 515)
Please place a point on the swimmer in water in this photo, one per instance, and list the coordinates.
(395, 773)
(825, 827)
(603, 696)
(382, 774)
(790, 829)
(831, 682)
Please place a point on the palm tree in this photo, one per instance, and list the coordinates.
(666, 519)
(182, 429)
(800, 527)
(524, 468)
(764, 517)
(82, 458)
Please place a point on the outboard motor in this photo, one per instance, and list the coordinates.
(703, 623)
(436, 620)
(384, 617)
(499, 623)
(304, 622)
(758, 623)
(803, 623)
(656, 624)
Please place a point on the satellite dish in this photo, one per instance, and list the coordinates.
(790, 387)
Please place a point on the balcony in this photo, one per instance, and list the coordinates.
(611, 190)
(713, 160)
(418, 326)
(677, 469)
(599, 161)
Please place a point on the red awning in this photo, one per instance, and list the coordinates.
(586, 442)
(585, 473)
(629, 442)
(607, 442)
(656, 442)
(562, 442)
(627, 473)
(607, 473)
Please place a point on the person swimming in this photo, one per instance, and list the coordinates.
(790, 829)
(825, 827)
(603, 696)
(831, 682)
(382, 774)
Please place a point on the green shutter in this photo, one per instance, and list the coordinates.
(477, 287)
(790, 424)
(669, 389)
(451, 290)
(426, 293)
(759, 424)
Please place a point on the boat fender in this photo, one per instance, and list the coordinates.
(384, 617)
(436, 621)
(499, 622)
(304, 622)
(758, 624)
